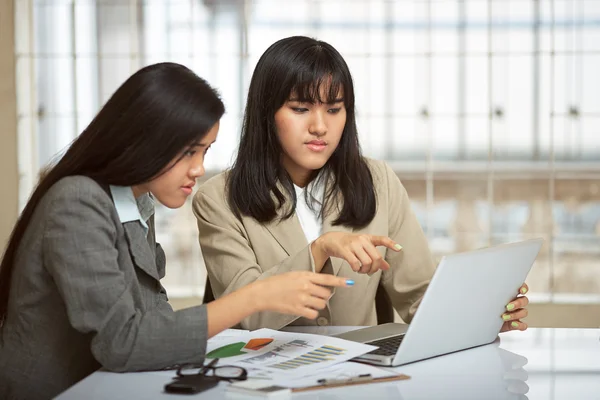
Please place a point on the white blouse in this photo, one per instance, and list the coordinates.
(310, 220)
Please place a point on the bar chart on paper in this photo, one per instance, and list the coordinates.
(319, 355)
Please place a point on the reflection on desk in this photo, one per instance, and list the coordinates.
(538, 364)
(487, 372)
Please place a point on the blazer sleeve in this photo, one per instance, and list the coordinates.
(412, 268)
(81, 255)
(231, 262)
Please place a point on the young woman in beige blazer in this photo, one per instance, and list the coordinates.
(300, 197)
(80, 279)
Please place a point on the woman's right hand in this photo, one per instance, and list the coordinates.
(299, 293)
(359, 250)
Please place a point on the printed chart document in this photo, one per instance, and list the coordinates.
(268, 353)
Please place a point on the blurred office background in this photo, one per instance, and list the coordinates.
(488, 110)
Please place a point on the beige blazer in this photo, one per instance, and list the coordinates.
(240, 251)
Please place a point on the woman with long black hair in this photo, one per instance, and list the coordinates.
(80, 278)
(301, 197)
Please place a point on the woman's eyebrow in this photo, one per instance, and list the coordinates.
(297, 100)
(200, 144)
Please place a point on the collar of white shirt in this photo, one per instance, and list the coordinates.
(131, 209)
(315, 195)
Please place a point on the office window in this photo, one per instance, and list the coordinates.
(488, 110)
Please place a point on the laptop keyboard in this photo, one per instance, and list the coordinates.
(387, 347)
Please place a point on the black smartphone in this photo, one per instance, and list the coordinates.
(191, 384)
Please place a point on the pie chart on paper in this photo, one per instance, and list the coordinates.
(235, 349)
(257, 344)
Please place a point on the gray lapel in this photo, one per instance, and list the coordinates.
(159, 258)
(140, 249)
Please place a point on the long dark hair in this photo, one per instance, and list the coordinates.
(298, 65)
(148, 122)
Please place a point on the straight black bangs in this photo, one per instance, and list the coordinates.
(317, 76)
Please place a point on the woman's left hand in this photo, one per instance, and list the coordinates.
(515, 311)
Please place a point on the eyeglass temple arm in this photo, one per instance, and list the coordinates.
(210, 365)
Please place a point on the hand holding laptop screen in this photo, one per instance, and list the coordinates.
(515, 311)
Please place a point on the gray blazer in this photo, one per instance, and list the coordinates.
(86, 294)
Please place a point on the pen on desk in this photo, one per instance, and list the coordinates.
(359, 378)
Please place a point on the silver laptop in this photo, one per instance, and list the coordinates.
(462, 306)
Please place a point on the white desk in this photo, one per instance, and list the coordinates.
(536, 364)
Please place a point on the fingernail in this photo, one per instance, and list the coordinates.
(349, 282)
(506, 317)
(397, 246)
(511, 306)
(514, 324)
(523, 290)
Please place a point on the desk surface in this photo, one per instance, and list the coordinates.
(535, 364)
